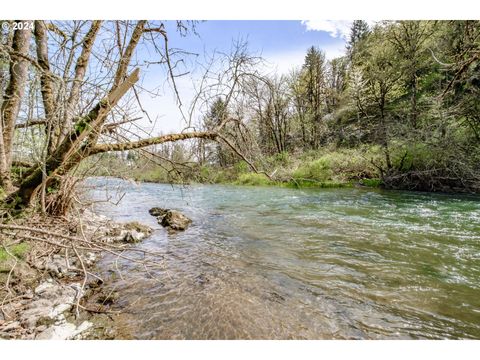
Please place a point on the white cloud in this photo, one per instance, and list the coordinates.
(336, 28)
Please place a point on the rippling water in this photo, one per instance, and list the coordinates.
(275, 263)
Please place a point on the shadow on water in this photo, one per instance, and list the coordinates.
(275, 263)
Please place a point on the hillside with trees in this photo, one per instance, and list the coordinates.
(399, 110)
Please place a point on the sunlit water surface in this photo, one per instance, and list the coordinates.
(276, 263)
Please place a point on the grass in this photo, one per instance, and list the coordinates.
(254, 179)
(18, 250)
(339, 166)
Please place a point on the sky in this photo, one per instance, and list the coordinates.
(283, 44)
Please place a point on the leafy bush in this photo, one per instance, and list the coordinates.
(371, 182)
(319, 170)
(318, 184)
(341, 166)
(241, 167)
(253, 179)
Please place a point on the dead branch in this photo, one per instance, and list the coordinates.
(100, 148)
(30, 123)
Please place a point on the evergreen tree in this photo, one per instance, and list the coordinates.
(358, 33)
(314, 77)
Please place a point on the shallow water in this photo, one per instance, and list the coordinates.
(275, 263)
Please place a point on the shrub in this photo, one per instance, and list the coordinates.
(371, 182)
(319, 170)
(253, 179)
(341, 166)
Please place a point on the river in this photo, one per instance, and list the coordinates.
(277, 263)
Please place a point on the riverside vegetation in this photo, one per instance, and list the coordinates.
(399, 110)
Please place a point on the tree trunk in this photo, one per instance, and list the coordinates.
(72, 150)
(46, 82)
(413, 102)
(12, 101)
(80, 70)
(384, 134)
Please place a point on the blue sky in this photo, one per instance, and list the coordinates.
(266, 36)
(282, 43)
(273, 39)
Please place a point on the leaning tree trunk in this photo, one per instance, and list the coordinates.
(72, 150)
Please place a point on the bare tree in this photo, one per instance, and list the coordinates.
(84, 111)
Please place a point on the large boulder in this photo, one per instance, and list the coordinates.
(175, 220)
(171, 219)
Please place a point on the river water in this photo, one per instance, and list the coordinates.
(277, 263)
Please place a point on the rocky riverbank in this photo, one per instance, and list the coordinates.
(49, 294)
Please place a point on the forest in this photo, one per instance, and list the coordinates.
(399, 111)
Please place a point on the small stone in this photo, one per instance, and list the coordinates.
(95, 283)
(60, 332)
(11, 326)
(202, 279)
(43, 287)
(60, 309)
(108, 299)
(41, 328)
(157, 212)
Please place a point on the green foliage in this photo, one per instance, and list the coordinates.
(80, 126)
(388, 113)
(411, 156)
(358, 33)
(328, 184)
(340, 166)
(318, 170)
(253, 179)
(18, 250)
(241, 167)
(215, 175)
(282, 159)
(374, 183)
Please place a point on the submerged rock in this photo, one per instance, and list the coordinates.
(131, 232)
(202, 279)
(171, 219)
(157, 212)
(108, 299)
(175, 220)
